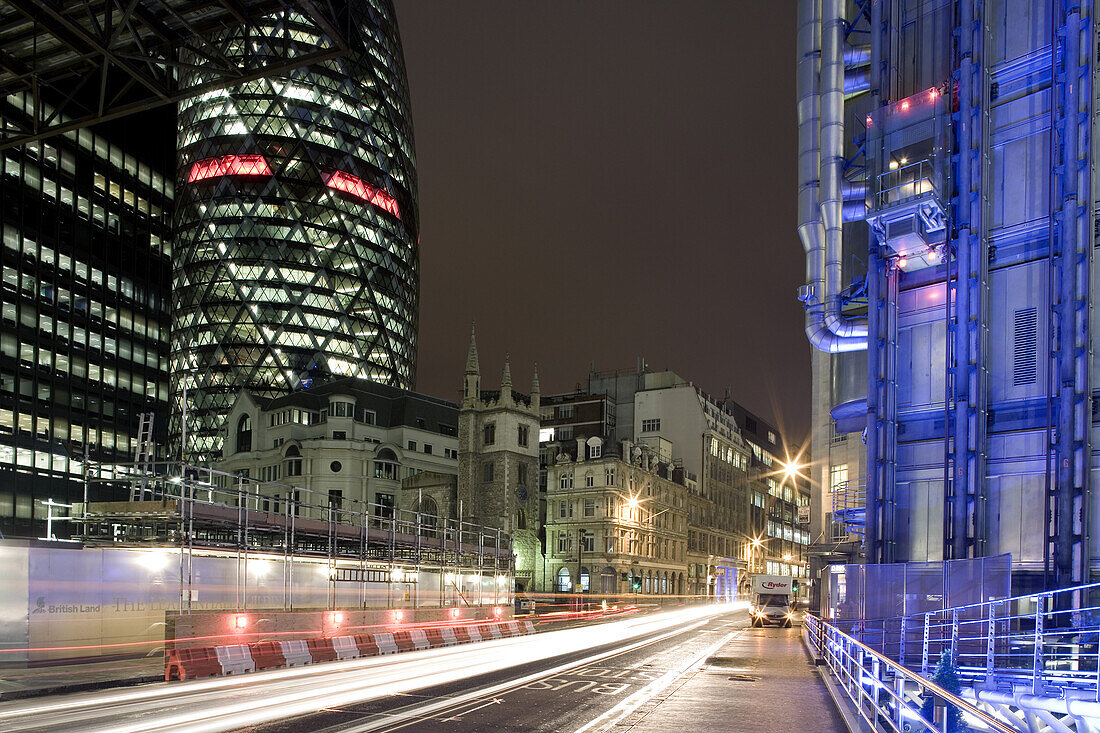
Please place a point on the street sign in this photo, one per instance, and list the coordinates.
(803, 515)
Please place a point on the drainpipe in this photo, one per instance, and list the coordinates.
(809, 213)
(832, 169)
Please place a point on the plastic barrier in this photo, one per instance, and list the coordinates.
(296, 653)
(386, 642)
(187, 664)
(267, 654)
(321, 650)
(420, 638)
(235, 659)
(190, 663)
(367, 645)
(345, 647)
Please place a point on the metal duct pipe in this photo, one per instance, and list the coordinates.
(856, 56)
(854, 190)
(832, 168)
(809, 212)
(854, 211)
(857, 81)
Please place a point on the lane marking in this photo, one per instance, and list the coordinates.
(421, 713)
(610, 718)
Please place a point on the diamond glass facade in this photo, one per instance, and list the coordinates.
(84, 300)
(296, 232)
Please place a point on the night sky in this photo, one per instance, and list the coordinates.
(602, 181)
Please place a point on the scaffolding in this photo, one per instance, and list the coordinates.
(200, 510)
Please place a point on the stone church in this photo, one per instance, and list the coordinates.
(498, 463)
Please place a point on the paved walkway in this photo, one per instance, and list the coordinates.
(763, 679)
(34, 681)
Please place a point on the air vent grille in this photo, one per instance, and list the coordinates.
(1025, 331)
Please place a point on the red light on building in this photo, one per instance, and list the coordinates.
(933, 93)
(454, 613)
(397, 616)
(497, 610)
(902, 262)
(240, 622)
(337, 618)
(360, 189)
(229, 165)
(905, 106)
(868, 120)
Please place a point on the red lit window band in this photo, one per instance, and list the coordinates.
(360, 189)
(229, 165)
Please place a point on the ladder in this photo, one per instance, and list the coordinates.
(143, 457)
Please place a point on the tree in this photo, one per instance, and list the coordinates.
(945, 677)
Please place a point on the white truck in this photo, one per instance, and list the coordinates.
(772, 600)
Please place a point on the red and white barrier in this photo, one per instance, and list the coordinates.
(235, 659)
(321, 649)
(345, 647)
(386, 643)
(267, 655)
(190, 663)
(296, 653)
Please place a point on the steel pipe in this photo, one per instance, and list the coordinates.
(810, 228)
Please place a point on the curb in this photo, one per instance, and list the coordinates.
(77, 687)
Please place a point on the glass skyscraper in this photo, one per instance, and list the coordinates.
(296, 233)
(84, 297)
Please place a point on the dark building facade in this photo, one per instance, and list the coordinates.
(297, 254)
(84, 343)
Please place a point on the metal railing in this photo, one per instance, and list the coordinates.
(884, 694)
(1047, 644)
(850, 504)
(905, 183)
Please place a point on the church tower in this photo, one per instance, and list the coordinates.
(498, 462)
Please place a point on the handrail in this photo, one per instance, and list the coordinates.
(917, 679)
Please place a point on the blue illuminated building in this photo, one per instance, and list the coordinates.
(947, 209)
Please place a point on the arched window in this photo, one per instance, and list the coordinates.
(385, 465)
(428, 512)
(521, 520)
(244, 434)
(565, 581)
(585, 580)
(293, 460)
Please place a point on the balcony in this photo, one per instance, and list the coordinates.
(908, 214)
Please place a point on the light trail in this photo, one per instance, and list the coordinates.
(232, 702)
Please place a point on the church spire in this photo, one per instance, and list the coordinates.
(471, 387)
(506, 377)
(472, 366)
(535, 380)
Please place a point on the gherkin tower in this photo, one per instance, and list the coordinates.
(296, 247)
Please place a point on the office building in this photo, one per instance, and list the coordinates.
(84, 345)
(296, 227)
(950, 278)
(347, 439)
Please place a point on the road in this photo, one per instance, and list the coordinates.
(571, 679)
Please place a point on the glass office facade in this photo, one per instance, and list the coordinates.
(296, 239)
(84, 345)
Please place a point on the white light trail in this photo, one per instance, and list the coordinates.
(233, 702)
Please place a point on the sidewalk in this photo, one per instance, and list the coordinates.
(761, 680)
(16, 683)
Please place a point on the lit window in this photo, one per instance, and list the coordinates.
(360, 189)
(229, 165)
